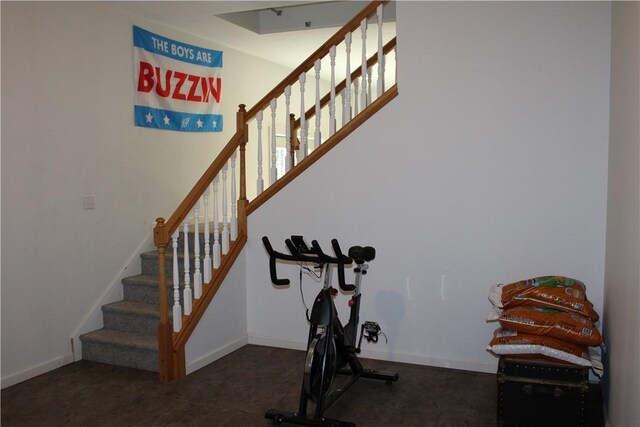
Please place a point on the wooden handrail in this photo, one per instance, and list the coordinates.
(322, 51)
(340, 86)
(170, 225)
(194, 195)
(171, 353)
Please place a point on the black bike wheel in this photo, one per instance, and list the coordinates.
(315, 383)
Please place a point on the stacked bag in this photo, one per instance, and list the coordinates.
(546, 317)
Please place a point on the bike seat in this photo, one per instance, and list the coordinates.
(362, 254)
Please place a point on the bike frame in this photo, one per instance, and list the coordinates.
(324, 317)
(325, 323)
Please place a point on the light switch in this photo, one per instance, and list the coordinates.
(89, 201)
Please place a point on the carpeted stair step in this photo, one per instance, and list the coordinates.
(135, 317)
(149, 262)
(191, 238)
(121, 349)
(144, 289)
(150, 259)
(130, 326)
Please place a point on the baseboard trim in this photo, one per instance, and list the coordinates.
(276, 342)
(462, 365)
(34, 371)
(202, 361)
(489, 368)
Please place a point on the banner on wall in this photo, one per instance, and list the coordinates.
(178, 86)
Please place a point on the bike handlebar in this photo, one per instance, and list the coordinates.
(273, 255)
(342, 259)
(301, 253)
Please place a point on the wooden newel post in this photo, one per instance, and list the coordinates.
(242, 128)
(165, 329)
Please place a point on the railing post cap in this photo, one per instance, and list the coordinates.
(160, 236)
(242, 107)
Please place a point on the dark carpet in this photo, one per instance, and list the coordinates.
(238, 389)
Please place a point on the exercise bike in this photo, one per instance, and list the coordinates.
(331, 347)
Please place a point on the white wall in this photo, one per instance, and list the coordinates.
(490, 166)
(622, 274)
(223, 328)
(67, 128)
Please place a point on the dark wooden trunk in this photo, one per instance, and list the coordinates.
(539, 393)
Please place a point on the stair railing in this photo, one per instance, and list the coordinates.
(215, 211)
(302, 161)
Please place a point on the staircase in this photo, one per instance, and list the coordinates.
(130, 334)
(149, 329)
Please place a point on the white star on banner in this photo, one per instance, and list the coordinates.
(215, 124)
(199, 123)
(149, 117)
(166, 120)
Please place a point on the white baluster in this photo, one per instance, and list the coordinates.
(197, 274)
(332, 100)
(234, 198)
(207, 266)
(380, 85)
(344, 106)
(306, 131)
(356, 102)
(318, 136)
(287, 156)
(274, 171)
(187, 279)
(363, 92)
(260, 181)
(347, 89)
(303, 119)
(225, 225)
(369, 72)
(395, 61)
(177, 309)
(216, 226)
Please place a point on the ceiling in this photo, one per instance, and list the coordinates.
(201, 19)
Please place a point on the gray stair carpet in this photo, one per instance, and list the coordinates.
(129, 335)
